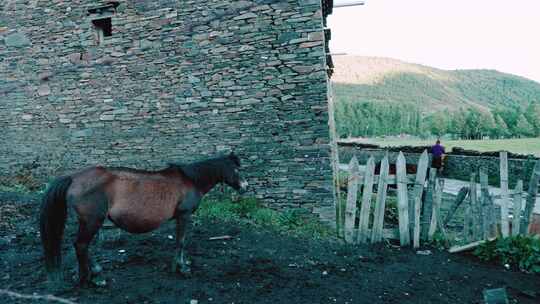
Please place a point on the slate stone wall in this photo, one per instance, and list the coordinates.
(177, 81)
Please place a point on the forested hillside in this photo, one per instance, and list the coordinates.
(379, 96)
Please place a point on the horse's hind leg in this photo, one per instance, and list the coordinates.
(87, 230)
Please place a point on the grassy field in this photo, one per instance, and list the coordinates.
(521, 145)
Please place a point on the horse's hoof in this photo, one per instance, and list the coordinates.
(93, 283)
(99, 282)
(96, 269)
(185, 270)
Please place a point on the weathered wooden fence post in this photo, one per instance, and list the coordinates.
(428, 204)
(475, 209)
(403, 201)
(365, 208)
(504, 193)
(436, 221)
(486, 206)
(378, 218)
(352, 192)
(531, 199)
(467, 221)
(417, 196)
(516, 209)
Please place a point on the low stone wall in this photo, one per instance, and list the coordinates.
(456, 166)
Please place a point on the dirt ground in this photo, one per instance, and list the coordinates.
(254, 267)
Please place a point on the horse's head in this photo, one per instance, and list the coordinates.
(231, 175)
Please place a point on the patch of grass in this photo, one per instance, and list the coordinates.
(391, 213)
(522, 252)
(439, 241)
(517, 145)
(23, 181)
(250, 211)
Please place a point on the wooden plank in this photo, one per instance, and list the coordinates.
(352, 192)
(531, 199)
(378, 218)
(456, 249)
(503, 155)
(417, 198)
(428, 204)
(516, 209)
(510, 193)
(475, 210)
(486, 203)
(462, 194)
(334, 158)
(436, 210)
(365, 209)
(403, 201)
(467, 222)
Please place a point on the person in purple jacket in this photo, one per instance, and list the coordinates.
(437, 153)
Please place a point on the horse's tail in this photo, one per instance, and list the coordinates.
(52, 220)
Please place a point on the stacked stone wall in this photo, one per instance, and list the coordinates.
(177, 81)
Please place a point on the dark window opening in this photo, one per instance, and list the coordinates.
(103, 25)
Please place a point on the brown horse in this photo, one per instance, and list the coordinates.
(136, 201)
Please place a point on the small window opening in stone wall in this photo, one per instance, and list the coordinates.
(103, 28)
(101, 19)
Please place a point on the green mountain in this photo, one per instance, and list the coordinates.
(381, 96)
(371, 79)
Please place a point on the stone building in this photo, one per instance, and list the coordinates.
(142, 83)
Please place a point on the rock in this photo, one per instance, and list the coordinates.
(495, 296)
(303, 69)
(83, 133)
(17, 40)
(245, 16)
(310, 44)
(44, 90)
(316, 36)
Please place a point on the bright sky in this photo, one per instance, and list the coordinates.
(447, 34)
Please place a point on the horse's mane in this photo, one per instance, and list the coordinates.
(202, 172)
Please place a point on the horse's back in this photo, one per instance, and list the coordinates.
(136, 200)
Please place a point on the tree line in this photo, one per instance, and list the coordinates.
(361, 119)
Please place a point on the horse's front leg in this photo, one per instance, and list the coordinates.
(180, 261)
(184, 210)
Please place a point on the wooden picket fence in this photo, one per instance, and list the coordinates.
(480, 221)
(357, 228)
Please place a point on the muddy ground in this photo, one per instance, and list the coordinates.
(255, 267)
